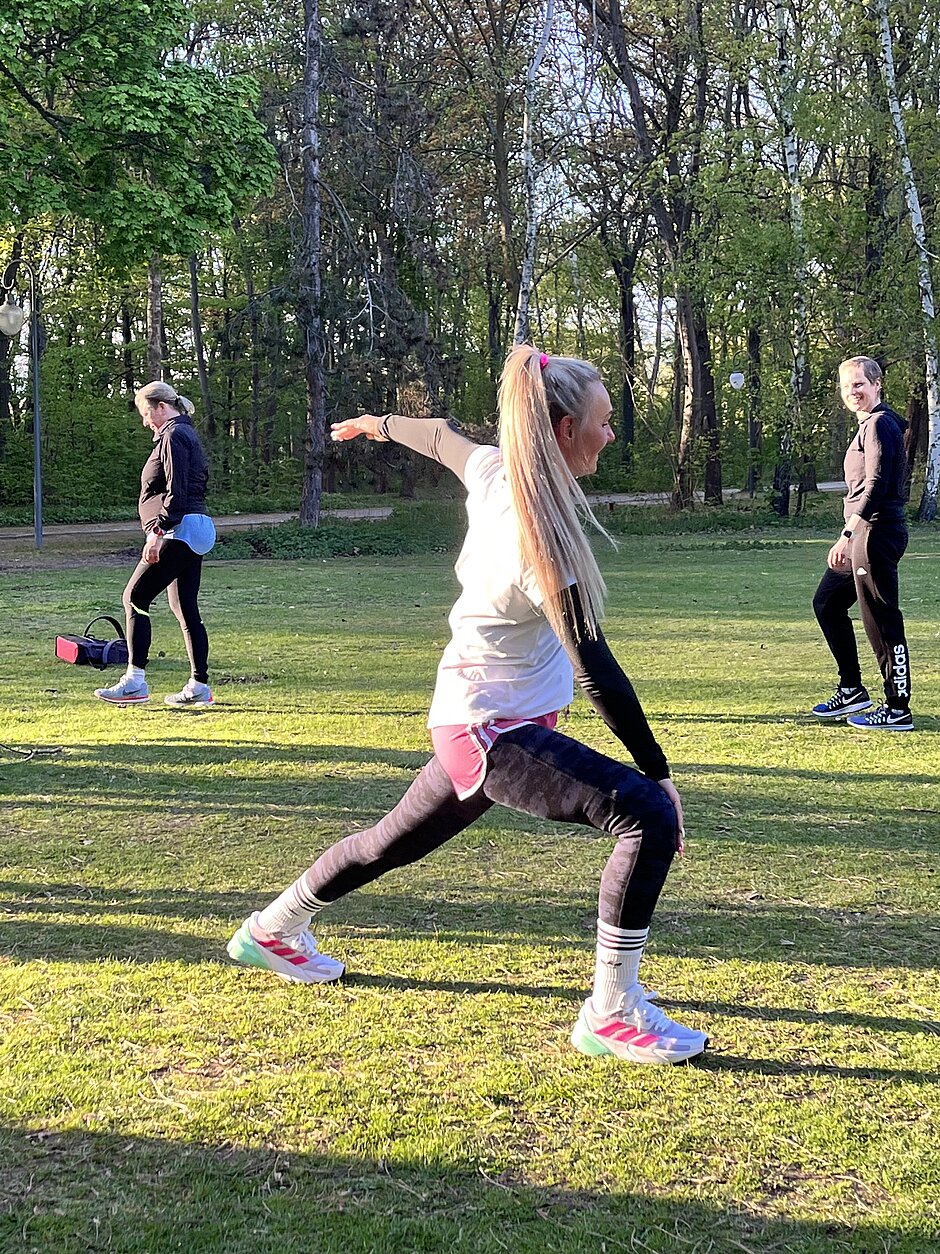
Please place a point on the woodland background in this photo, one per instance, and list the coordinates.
(296, 213)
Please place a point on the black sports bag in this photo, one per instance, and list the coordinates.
(86, 650)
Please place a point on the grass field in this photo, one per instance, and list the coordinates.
(154, 1097)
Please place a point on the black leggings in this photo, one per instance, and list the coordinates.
(540, 772)
(872, 580)
(179, 572)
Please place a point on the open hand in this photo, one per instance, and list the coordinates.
(365, 424)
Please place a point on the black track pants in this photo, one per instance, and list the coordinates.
(872, 580)
(179, 572)
(539, 772)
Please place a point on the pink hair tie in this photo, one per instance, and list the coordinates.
(543, 360)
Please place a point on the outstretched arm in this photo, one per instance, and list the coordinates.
(431, 437)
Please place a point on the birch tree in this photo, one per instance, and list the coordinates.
(530, 178)
(928, 503)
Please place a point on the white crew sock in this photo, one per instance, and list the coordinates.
(616, 967)
(135, 672)
(292, 912)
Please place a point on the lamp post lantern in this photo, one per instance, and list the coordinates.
(12, 317)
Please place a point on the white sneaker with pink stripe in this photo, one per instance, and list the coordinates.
(637, 1032)
(294, 958)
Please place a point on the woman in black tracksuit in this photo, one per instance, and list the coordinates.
(863, 563)
(179, 531)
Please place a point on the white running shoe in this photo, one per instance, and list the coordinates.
(126, 691)
(194, 693)
(294, 958)
(638, 1032)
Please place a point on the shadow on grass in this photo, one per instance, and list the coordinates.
(753, 931)
(825, 779)
(74, 1191)
(922, 723)
(319, 783)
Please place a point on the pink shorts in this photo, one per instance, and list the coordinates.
(462, 750)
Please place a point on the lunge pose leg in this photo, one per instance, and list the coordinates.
(526, 623)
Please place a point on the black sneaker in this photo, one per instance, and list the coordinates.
(844, 701)
(884, 719)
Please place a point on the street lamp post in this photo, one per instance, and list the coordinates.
(12, 317)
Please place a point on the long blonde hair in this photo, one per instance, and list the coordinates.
(548, 503)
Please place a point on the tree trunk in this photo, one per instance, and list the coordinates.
(127, 354)
(274, 340)
(915, 437)
(511, 276)
(754, 415)
(522, 332)
(876, 187)
(309, 309)
(672, 202)
(703, 392)
(799, 370)
(155, 334)
(928, 504)
(254, 329)
(624, 265)
(208, 414)
(682, 497)
(6, 350)
(493, 324)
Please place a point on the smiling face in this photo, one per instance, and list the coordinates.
(582, 443)
(859, 394)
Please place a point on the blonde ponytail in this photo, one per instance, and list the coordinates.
(548, 503)
(158, 391)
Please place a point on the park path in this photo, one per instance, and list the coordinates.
(239, 522)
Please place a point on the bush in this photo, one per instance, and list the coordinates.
(425, 527)
(438, 527)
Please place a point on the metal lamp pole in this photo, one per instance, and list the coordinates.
(11, 323)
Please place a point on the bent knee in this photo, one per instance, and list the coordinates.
(651, 816)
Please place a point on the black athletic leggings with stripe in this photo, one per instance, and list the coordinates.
(872, 581)
(539, 772)
(178, 572)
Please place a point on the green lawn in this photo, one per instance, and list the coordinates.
(154, 1097)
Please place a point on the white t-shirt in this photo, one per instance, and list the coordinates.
(503, 659)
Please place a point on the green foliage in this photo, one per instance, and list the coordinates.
(427, 527)
(99, 122)
(126, 128)
(439, 527)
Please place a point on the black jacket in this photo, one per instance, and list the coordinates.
(173, 481)
(876, 468)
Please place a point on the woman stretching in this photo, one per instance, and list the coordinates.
(526, 622)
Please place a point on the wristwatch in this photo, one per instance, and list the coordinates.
(847, 534)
